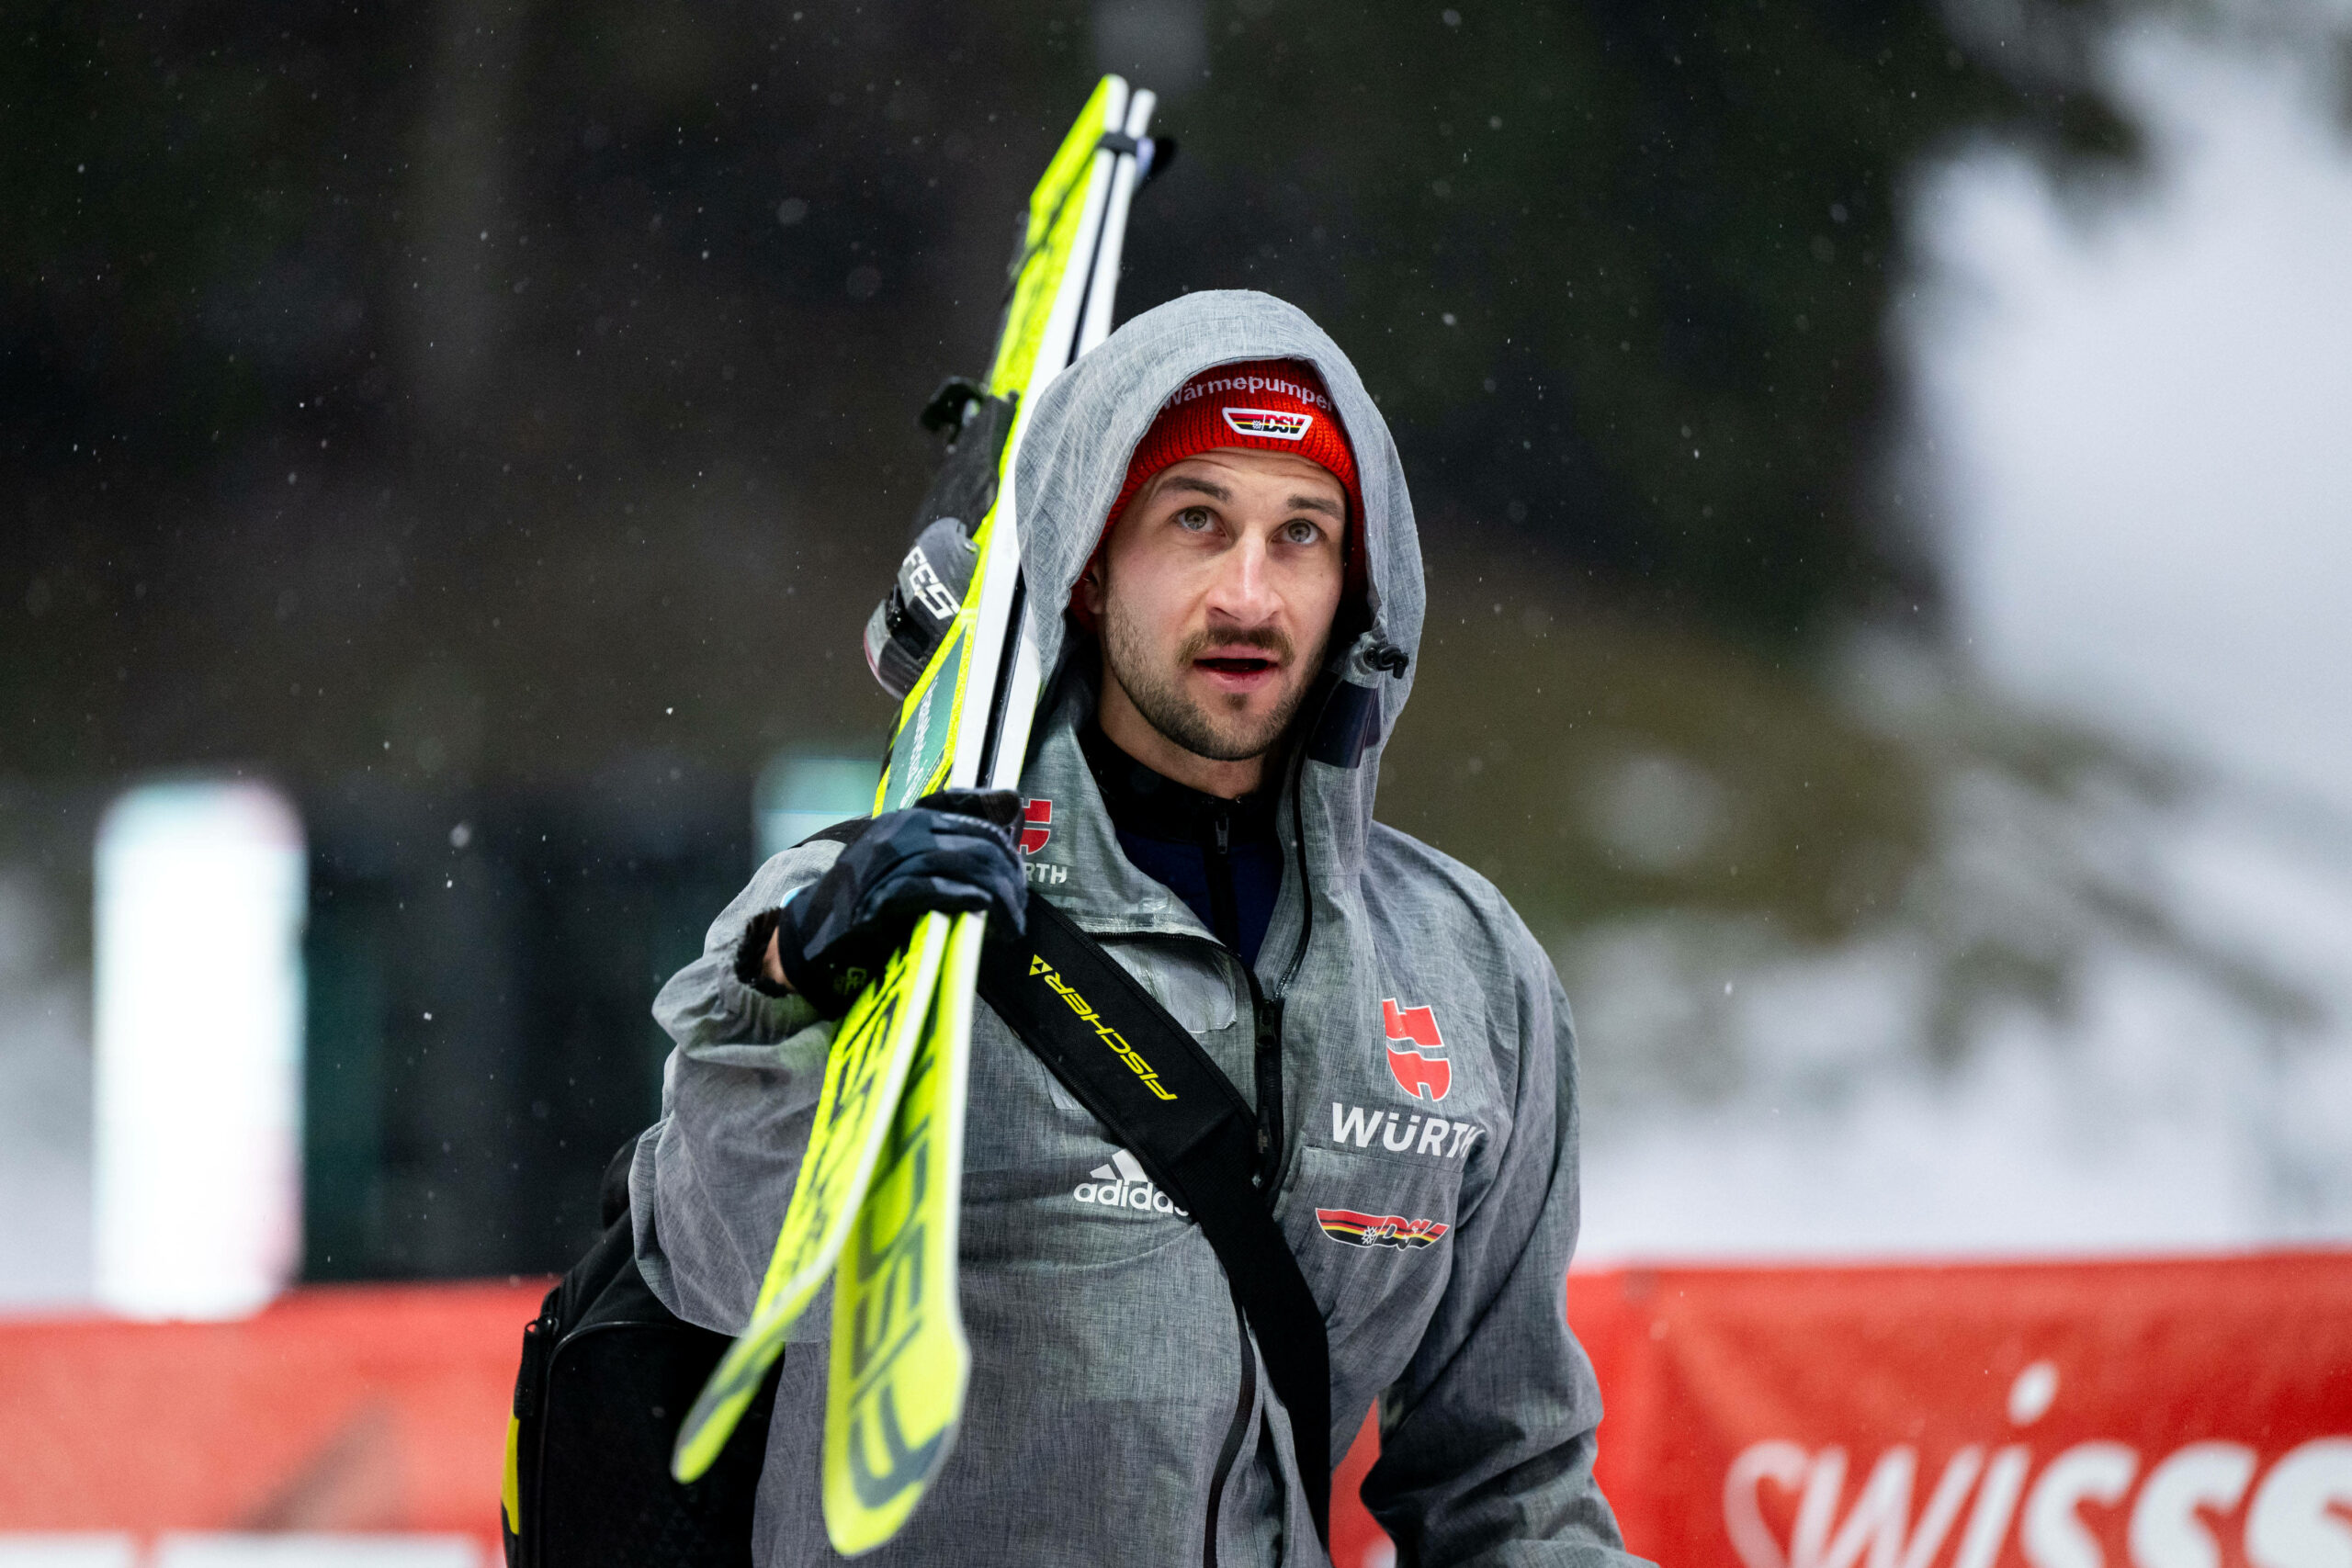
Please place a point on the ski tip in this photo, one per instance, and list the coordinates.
(710, 1421)
(690, 1458)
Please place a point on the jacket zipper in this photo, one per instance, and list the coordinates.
(1243, 1411)
(1267, 1022)
(1267, 1008)
(1225, 905)
(1266, 1015)
(1266, 1062)
(1298, 842)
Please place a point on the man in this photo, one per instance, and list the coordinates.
(1215, 530)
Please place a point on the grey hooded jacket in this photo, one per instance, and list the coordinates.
(1118, 1410)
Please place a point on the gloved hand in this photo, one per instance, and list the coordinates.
(954, 850)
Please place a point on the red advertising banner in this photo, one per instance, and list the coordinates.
(2179, 1413)
(342, 1410)
(2166, 1414)
(2191, 1414)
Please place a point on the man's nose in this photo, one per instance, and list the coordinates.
(1243, 590)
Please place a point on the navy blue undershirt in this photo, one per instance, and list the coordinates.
(1220, 856)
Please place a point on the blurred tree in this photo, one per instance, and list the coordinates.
(1622, 272)
(478, 391)
(491, 386)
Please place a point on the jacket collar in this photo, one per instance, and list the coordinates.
(1078, 863)
(1144, 801)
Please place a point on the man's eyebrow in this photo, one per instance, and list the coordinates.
(1216, 491)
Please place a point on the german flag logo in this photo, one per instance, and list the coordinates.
(1379, 1230)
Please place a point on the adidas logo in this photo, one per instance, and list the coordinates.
(1123, 1185)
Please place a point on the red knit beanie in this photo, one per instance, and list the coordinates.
(1267, 405)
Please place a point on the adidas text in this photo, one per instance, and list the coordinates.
(1121, 1184)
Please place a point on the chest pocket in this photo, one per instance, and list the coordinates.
(1190, 985)
(1373, 1233)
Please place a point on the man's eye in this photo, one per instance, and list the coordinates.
(1193, 519)
(1300, 532)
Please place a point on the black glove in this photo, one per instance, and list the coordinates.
(952, 850)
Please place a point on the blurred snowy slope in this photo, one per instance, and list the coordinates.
(2041, 942)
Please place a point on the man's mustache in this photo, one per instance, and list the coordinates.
(1270, 639)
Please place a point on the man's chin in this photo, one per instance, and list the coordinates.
(1226, 732)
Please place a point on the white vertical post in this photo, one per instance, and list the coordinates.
(201, 888)
(800, 791)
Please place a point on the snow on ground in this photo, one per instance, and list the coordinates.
(2159, 1112)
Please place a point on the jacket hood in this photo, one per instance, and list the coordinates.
(1074, 458)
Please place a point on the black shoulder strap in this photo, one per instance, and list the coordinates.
(843, 833)
(1144, 1075)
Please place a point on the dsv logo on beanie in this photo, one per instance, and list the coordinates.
(1121, 1184)
(1271, 423)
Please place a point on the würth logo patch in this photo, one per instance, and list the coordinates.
(1036, 825)
(1430, 1137)
(1379, 1230)
(1416, 1051)
(1272, 422)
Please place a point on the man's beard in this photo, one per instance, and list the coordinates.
(1158, 695)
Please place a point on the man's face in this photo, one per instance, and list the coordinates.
(1216, 594)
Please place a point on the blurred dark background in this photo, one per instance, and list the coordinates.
(494, 422)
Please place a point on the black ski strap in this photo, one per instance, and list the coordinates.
(1118, 1051)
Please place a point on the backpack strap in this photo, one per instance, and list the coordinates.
(1137, 1069)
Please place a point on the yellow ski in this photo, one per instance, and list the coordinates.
(895, 1390)
(1065, 220)
(896, 1382)
(877, 1200)
(864, 1075)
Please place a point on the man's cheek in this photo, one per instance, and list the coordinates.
(1163, 614)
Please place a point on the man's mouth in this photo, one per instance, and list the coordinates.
(1238, 670)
